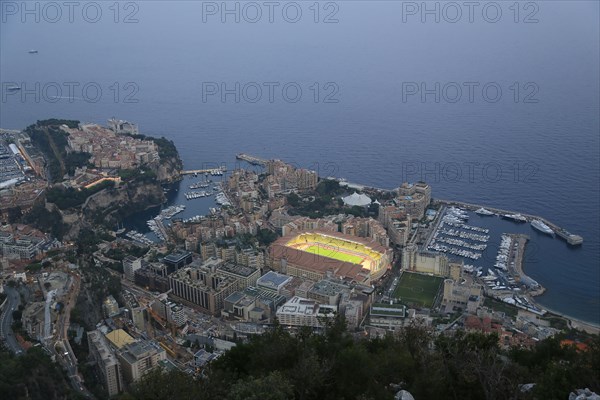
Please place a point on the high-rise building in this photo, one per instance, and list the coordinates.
(110, 307)
(107, 364)
(139, 358)
(130, 265)
(424, 262)
(177, 260)
(203, 285)
(414, 198)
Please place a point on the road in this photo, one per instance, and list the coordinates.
(6, 320)
(66, 355)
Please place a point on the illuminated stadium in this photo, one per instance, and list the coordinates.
(315, 254)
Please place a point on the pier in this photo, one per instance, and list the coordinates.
(251, 159)
(211, 171)
(9, 131)
(161, 228)
(573, 240)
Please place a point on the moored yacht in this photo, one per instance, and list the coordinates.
(542, 227)
(483, 211)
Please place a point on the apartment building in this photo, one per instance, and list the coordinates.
(107, 363)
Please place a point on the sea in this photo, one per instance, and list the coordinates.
(493, 102)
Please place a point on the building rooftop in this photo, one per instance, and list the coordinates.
(273, 280)
(202, 357)
(119, 338)
(299, 306)
(138, 350)
(177, 256)
(237, 269)
(328, 287)
(106, 354)
(183, 275)
(388, 310)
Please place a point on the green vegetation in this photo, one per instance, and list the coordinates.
(334, 365)
(325, 201)
(330, 188)
(265, 237)
(166, 147)
(57, 122)
(142, 174)
(32, 376)
(47, 221)
(88, 241)
(557, 322)
(33, 267)
(76, 159)
(501, 306)
(293, 200)
(336, 255)
(102, 283)
(52, 141)
(68, 197)
(14, 215)
(418, 289)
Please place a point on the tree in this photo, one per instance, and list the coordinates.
(174, 384)
(14, 215)
(293, 199)
(274, 386)
(17, 314)
(266, 237)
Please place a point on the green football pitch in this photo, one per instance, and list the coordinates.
(418, 289)
(337, 255)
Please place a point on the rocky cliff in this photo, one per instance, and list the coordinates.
(169, 170)
(110, 206)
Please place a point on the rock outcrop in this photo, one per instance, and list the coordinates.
(583, 394)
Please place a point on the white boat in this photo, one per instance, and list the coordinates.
(515, 217)
(483, 211)
(542, 227)
(32, 51)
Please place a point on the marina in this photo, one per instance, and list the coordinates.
(197, 195)
(138, 237)
(222, 199)
(171, 211)
(156, 224)
(570, 238)
(157, 228)
(199, 185)
(501, 277)
(454, 236)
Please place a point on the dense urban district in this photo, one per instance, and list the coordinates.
(295, 287)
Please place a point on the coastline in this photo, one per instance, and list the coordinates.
(575, 323)
(572, 322)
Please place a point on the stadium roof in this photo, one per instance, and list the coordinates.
(319, 263)
(356, 199)
(373, 245)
